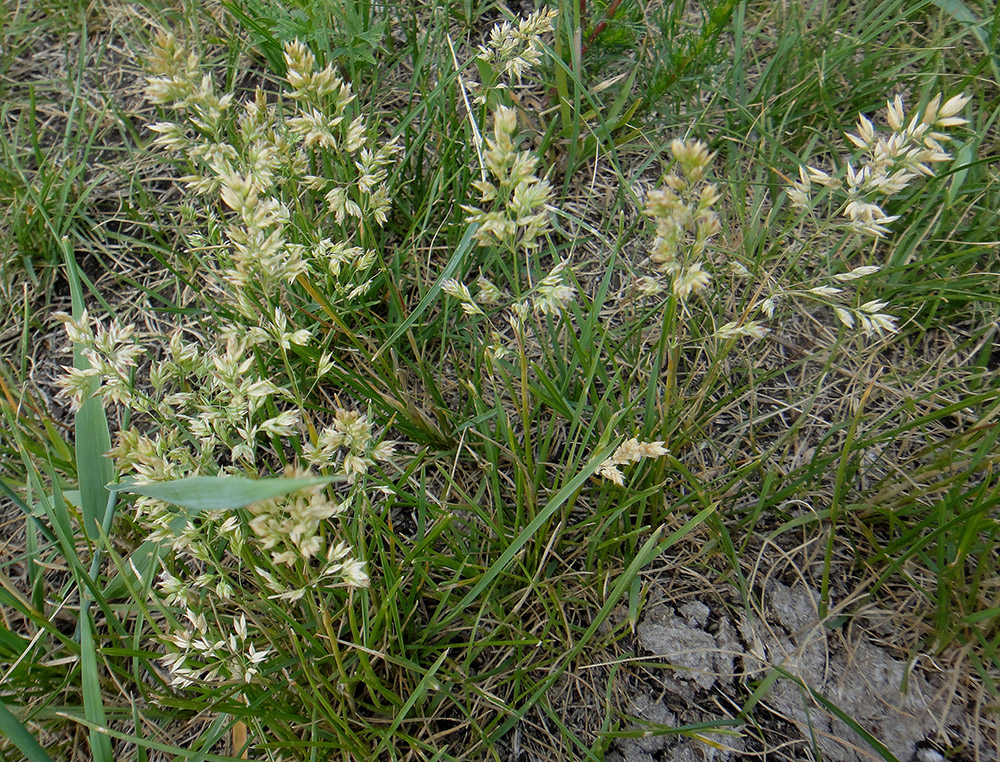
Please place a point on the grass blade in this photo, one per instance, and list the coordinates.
(93, 438)
(529, 531)
(214, 493)
(20, 737)
(93, 704)
(453, 264)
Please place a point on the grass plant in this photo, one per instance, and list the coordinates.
(362, 363)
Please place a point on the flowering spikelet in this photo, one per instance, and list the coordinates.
(350, 431)
(213, 654)
(271, 147)
(461, 292)
(553, 293)
(629, 451)
(519, 198)
(751, 329)
(291, 528)
(280, 186)
(867, 317)
(489, 293)
(111, 352)
(514, 50)
(889, 164)
(176, 71)
(685, 221)
(309, 83)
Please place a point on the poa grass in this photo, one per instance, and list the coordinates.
(503, 570)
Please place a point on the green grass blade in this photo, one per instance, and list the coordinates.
(214, 493)
(651, 549)
(143, 561)
(759, 693)
(963, 15)
(426, 682)
(93, 703)
(269, 47)
(20, 737)
(453, 264)
(175, 751)
(93, 438)
(877, 746)
(529, 531)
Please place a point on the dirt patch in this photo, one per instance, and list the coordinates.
(700, 657)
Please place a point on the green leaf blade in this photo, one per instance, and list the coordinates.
(20, 737)
(213, 493)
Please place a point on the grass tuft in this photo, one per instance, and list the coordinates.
(376, 377)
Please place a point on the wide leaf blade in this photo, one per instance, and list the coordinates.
(215, 493)
(20, 737)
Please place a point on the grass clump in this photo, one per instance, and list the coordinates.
(452, 340)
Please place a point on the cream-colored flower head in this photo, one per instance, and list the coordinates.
(519, 198)
(553, 294)
(514, 50)
(686, 221)
(889, 163)
(629, 451)
(310, 84)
